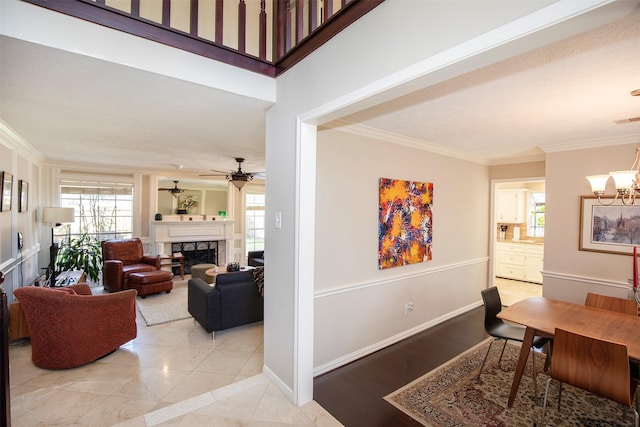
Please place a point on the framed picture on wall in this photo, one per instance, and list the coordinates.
(23, 196)
(7, 185)
(613, 229)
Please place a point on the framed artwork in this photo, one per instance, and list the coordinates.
(7, 185)
(613, 229)
(23, 196)
(404, 222)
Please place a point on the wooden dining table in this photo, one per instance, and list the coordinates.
(542, 316)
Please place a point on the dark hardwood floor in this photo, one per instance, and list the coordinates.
(354, 393)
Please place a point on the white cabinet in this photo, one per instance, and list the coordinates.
(510, 260)
(519, 261)
(533, 263)
(510, 206)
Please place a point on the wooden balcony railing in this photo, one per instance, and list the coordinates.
(265, 36)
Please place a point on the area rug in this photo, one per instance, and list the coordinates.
(165, 307)
(451, 395)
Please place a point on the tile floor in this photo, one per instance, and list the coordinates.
(512, 291)
(171, 375)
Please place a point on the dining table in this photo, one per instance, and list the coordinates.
(541, 316)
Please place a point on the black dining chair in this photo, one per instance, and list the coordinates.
(501, 330)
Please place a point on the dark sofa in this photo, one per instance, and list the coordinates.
(255, 258)
(235, 300)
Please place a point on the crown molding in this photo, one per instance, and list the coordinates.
(394, 138)
(19, 143)
(592, 143)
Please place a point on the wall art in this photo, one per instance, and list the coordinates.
(404, 222)
(23, 196)
(7, 185)
(611, 229)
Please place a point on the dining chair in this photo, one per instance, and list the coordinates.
(597, 366)
(620, 305)
(500, 330)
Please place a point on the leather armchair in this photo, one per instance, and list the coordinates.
(120, 258)
(69, 327)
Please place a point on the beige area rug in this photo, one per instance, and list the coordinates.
(450, 395)
(165, 307)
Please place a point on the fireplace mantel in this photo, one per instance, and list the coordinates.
(193, 228)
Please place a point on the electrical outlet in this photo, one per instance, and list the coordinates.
(408, 307)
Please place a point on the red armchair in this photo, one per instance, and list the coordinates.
(69, 330)
(122, 257)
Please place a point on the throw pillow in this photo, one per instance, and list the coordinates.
(258, 277)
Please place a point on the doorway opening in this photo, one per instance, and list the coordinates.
(518, 238)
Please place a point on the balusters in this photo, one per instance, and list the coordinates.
(135, 8)
(313, 15)
(292, 21)
(219, 21)
(262, 43)
(193, 18)
(166, 13)
(299, 20)
(242, 26)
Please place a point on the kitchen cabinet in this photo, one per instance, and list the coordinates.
(520, 261)
(510, 206)
(533, 263)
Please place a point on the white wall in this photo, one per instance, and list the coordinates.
(398, 47)
(359, 308)
(569, 274)
(24, 163)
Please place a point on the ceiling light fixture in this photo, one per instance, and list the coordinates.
(627, 183)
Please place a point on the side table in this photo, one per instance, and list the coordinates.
(172, 261)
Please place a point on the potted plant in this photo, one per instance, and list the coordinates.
(187, 204)
(81, 253)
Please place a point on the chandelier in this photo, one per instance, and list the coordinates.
(627, 183)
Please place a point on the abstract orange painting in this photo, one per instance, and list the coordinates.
(405, 222)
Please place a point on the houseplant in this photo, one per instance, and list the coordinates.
(187, 204)
(81, 253)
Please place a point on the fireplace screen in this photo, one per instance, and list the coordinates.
(196, 253)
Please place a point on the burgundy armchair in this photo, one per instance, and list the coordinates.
(122, 257)
(69, 327)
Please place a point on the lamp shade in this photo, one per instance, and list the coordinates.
(57, 215)
(598, 182)
(623, 179)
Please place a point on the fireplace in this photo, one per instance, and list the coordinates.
(196, 253)
(202, 240)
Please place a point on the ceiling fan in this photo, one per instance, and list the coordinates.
(238, 178)
(175, 191)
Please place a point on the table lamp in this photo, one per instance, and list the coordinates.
(57, 217)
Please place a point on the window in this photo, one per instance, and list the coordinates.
(536, 207)
(255, 222)
(103, 210)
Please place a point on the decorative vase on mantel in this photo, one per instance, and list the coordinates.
(181, 211)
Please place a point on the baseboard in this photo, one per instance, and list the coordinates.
(348, 358)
